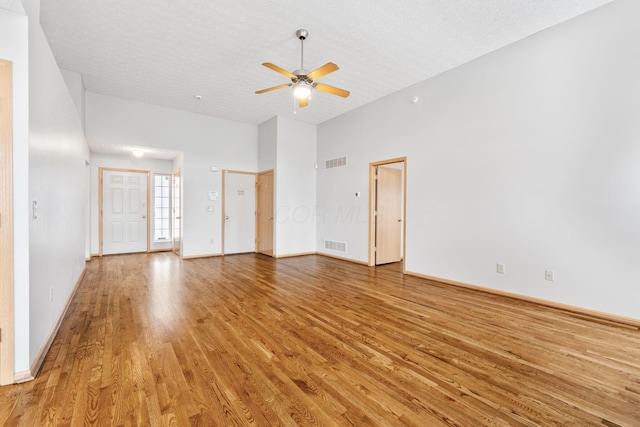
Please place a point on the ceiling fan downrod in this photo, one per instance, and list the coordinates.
(302, 35)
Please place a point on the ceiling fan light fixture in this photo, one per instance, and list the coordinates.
(303, 82)
(301, 90)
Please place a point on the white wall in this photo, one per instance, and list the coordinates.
(342, 216)
(14, 47)
(295, 187)
(205, 141)
(57, 159)
(75, 84)
(527, 156)
(123, 162)
(267, 144)
(289, 148)
(268, 158)
(202, 230)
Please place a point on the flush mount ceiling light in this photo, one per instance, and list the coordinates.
(138, 153)
(302, 80)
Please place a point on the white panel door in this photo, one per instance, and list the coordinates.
(124, 212)
(240, 212)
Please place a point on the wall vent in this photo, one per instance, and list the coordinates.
(335, 246)
(335, 163)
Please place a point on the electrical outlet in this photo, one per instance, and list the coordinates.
(500, 268)
(548, 275)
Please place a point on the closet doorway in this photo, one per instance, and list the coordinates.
(387, 190)
(264, 213)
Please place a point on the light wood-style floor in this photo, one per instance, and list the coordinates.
(248, 340)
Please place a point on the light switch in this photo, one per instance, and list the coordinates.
(210, 208)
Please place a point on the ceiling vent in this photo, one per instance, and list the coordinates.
(336, 163)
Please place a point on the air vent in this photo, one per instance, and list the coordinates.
(335, 163)
(335, 246)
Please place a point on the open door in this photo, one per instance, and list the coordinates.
(387, 231)
(388, 217)
(177, 212)
(264, 217)
(6, 224)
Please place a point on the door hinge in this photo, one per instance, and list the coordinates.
(375, 213)
(375, 249)
(0, 334)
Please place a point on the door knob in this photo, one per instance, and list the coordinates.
(144, 216)
(226, 217)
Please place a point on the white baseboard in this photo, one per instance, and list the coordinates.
(295, 254)
(22, 377)
(200, 256)
(42, 354)
(588, 313)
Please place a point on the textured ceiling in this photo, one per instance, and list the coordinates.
(12, 5)
(165, 52)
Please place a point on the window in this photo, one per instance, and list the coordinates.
(161, 230)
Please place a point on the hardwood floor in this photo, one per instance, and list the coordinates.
(248, 340)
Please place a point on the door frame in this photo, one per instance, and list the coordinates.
(273, 231)
(101, 171)
(255, 178)
(7, 366)
(372, 205)
(177, 173)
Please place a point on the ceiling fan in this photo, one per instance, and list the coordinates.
(303, 81)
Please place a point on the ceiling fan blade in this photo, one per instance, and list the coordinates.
(332, 90)
(327, 68)
(279, 70)
(303, 102)
(273, 88)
